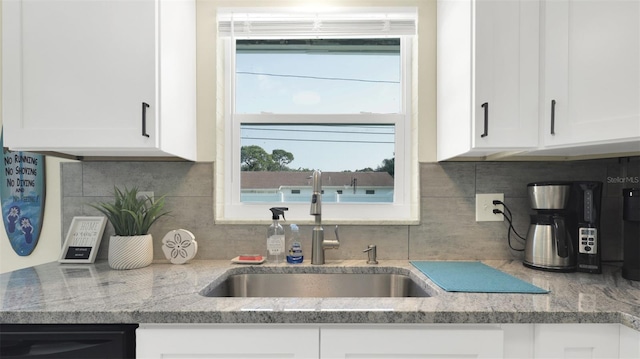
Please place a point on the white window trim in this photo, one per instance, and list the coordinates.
(404, 209)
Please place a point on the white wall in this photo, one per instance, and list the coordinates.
(48, 247)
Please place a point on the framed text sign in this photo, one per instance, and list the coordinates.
(83, 240)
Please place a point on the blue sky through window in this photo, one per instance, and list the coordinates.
(284, 81)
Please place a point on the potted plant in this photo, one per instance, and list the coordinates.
(131, 216)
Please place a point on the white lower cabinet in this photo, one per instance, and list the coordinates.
(173, 341)
(386, 341)
(518, 341)
(577, 341)
(629, 343)
(411, 341)
(588, 341)
(169, 341)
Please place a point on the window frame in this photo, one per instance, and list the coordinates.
(405, 207)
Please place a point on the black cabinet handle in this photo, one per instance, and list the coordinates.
(144, 119)
(553, 117)
(486, 119)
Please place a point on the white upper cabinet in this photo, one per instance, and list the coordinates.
(487, 76)
(591, 76)
(100, 78)
(492, 56)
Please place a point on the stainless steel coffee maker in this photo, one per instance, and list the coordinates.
(549, 245)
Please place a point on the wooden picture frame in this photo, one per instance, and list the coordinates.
(83, 240)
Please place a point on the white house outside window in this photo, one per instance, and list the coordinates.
(317, 90)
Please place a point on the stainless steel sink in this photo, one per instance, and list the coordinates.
(316, 285)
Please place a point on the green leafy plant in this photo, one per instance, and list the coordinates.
(131, 214)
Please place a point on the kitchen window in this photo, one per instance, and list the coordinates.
(328, 90)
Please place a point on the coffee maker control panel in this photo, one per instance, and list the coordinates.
(588, 240)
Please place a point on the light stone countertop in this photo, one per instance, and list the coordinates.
(167, 293)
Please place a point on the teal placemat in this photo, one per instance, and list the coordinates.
(473, 277)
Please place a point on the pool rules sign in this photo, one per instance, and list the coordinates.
(22, 193)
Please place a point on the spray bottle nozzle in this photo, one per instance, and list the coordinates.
(277, 212)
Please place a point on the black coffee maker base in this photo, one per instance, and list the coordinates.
(589, 268)
(549, 269)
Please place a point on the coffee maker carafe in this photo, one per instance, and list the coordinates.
(549, 245)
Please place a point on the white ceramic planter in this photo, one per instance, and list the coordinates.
(130, 252)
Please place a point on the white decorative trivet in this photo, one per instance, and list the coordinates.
(179, 246)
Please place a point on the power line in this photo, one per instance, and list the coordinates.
(316, 77)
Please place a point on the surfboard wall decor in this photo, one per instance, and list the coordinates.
(22, 193)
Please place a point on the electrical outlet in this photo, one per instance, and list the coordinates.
(485, 207)
(145, 194)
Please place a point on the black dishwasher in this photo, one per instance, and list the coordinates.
(67, 341)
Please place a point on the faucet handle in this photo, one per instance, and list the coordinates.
(372, 255)
(331, 243)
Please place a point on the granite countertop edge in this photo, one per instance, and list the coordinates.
(166, 293)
